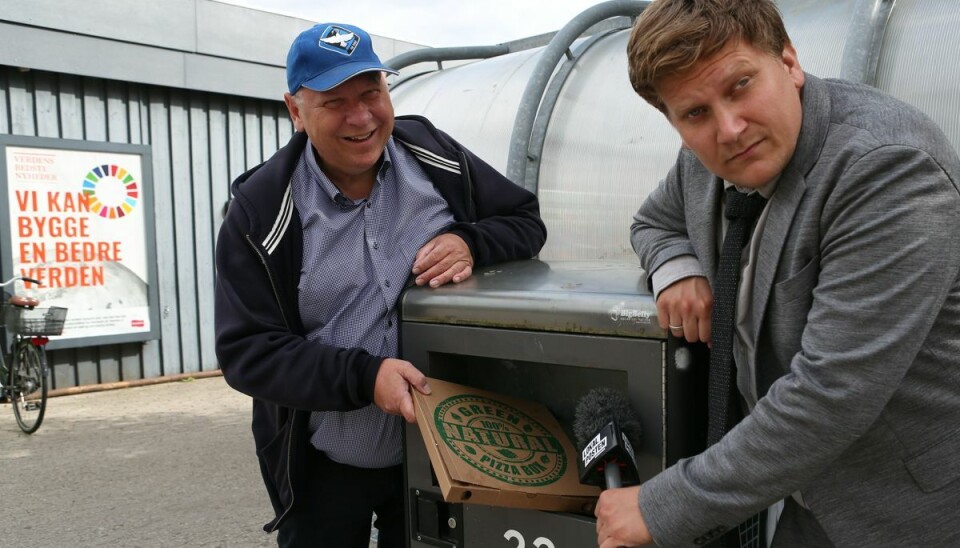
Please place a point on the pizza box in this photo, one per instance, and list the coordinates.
(493, 449)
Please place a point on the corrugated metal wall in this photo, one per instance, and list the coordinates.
(200, 142)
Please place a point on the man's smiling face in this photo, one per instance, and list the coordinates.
(348, 125)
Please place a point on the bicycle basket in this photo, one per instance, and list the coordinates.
(34, 322)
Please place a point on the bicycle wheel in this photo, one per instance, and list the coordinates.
(28, 386)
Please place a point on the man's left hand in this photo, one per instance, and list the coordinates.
(619, 521)
(391, 389)
(443, 259)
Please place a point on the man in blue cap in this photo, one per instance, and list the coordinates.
(314, 252)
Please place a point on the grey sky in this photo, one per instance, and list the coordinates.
(436, 22)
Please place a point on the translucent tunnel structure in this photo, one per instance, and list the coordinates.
(562, 119)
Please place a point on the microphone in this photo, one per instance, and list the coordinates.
(607, 429)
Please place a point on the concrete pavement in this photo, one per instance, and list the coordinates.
(164, 465)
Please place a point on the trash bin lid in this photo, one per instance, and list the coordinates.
(584, 297)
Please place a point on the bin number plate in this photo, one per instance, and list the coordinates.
(539, 542)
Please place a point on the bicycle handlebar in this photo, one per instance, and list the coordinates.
(24, 278)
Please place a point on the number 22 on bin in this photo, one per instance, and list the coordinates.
(540, 542)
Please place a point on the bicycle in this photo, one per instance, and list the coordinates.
(27, 378)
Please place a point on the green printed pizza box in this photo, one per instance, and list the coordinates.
(493, 449)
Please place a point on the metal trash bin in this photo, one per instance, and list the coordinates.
(548, 332)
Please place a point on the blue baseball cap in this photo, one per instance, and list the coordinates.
(328, 54)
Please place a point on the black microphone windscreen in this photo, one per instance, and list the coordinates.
(600, 406)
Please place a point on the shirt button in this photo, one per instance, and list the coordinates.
(375, 245)
(387, 283)
(389, 323)
(368, 205)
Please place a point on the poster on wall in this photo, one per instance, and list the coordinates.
(79, 219)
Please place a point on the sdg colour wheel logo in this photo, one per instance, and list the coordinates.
(111, 191)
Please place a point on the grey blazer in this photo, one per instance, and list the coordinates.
(857, 351)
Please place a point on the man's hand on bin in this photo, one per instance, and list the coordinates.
(443, 259)
(684, 307)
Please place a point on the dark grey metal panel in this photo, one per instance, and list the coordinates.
(85, 359)
(236, 137)
(134, 111)
(4, 101)
(108, 362)
(46, 105)
(227, 33)
(61, 364)
(219, 162)
(118, 119)
(184, 302)
(489, 526)
(71, 107)
(229, 76)
(285, 128)
(192, 44)
(94, 111)
(172, 22)
(146, 361)
(203, 218)
(131, 361)
(251, 128)
(21, 104)
(160, 132)
(55, 51)
(61, 52)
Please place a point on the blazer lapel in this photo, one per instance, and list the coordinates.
(783, 206)
(788, 195)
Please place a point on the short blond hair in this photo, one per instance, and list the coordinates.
(671, 36)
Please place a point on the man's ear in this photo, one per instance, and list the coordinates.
(791, 63)
(293, 108)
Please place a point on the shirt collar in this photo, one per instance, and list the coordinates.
(766, 190)
(327, 186)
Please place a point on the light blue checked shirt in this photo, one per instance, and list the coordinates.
(357, 256)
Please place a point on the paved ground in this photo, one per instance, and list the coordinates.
(156, 466)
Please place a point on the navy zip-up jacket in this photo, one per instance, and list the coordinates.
(261, 344)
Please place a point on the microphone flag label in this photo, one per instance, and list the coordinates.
(500, 441)
(595, 448)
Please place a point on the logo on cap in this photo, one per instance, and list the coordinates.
(339, 39)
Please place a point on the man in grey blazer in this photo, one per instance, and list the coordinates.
(847, 336)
